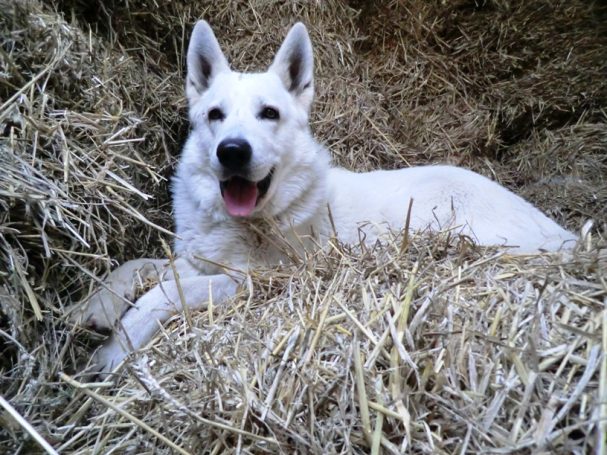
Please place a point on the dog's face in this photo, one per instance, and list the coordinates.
(244, 126)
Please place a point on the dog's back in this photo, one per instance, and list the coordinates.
(443, 197)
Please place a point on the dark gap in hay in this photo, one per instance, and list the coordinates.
(154, 32)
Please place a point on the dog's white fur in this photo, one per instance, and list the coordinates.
(303, 189)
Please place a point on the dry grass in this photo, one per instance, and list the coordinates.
(438, 347)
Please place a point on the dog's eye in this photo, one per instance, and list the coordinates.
(269, 113)
(215, 114)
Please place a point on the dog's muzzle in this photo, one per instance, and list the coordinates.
(234, 154)
(241, 195)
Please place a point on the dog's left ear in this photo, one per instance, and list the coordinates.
(294, 64)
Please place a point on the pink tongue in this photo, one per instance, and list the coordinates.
(240, 196)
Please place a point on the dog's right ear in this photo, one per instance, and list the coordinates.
(205, 60)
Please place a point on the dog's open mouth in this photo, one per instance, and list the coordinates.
(241, 196)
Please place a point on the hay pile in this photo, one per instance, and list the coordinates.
(439, 347)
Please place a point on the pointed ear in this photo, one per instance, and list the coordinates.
(294, 64)
(205, 60)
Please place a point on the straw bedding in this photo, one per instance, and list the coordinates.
(421, 344)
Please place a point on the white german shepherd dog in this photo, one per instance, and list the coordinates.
(251, 168)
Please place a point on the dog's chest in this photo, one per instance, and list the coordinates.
(268, 244)
(242, 244)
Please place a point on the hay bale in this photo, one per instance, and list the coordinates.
(86, 141)
(440, 348)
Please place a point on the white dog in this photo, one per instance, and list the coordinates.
(251, 169)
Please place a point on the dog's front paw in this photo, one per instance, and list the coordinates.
(107, 358)
(108, 304)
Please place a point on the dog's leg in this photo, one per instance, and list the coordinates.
(141, 322)
(108, 303)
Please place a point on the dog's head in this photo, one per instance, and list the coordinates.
(247, 125)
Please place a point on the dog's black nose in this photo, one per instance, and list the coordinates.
(234, 154)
